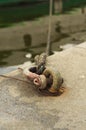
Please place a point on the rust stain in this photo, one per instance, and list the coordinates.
(63, 91)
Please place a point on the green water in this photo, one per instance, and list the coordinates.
(18, 56)
(8, 1)
(11, 15)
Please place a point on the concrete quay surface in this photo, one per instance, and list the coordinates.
(37, 30)
(23, 108)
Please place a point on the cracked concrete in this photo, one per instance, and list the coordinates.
(23, 108)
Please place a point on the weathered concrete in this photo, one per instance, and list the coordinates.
(13, 38)
(22, 108)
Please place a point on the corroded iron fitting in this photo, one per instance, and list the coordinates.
(38, 80)
(49, 81)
